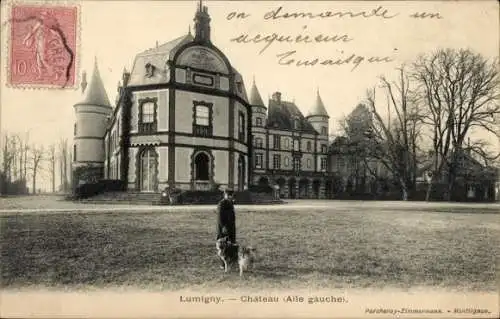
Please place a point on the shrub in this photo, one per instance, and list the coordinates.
(261, 189)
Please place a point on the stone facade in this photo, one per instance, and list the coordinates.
(182, 118)
(289, 149)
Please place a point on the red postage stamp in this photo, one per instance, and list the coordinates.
(43, 50)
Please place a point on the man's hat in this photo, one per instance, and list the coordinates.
(229, 191)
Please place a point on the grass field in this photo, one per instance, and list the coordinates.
(335, 247)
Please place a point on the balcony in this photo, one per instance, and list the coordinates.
(203, 131)
(147, 127)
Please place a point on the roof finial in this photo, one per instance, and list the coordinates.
(253, 79)
(200, 6)
(157, 44)
(189, 31)
(84, 81)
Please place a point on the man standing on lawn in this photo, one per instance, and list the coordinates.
(226, 219)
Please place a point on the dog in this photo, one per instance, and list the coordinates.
(230, 253)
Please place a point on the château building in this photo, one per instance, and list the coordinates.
(289, 149)
(183, 119)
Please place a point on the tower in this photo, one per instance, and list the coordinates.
(202, 24)
(92, 115)
(259, 110)
(318, 117)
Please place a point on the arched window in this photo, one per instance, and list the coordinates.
(202, 167)
(308, 146)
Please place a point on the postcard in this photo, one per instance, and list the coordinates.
(249, 159)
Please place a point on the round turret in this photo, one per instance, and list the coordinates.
(92, 115)
(318, 117)
(259, 110)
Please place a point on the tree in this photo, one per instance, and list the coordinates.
(13, 180)
(355, 154)
(37, 154)
(394, 141)
(52, 164)
(460, 91)
(63, 163)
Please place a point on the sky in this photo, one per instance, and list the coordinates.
(115, 31)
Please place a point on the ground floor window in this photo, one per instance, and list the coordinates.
(148, 170)
(202, 167)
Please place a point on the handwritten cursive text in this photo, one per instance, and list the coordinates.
(379, 12)
(288, 59)
(269, 39)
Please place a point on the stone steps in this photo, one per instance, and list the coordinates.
(130, 198)
(137, 198)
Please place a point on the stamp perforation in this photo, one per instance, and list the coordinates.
(7, 33)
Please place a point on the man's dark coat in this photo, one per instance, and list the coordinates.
(226, 220)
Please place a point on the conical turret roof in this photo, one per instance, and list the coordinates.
(255, 98)
(95, 94)
(318, 108)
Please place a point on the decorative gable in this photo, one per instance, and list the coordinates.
(203, 59)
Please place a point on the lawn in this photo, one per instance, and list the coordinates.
(335, 247)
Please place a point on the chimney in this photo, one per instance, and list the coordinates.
(277, 97)
(125, 77)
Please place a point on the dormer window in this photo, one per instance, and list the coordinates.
(239, 87)
(296, 124)
(323, 130)
(150, 70)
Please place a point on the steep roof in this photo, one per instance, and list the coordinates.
(95, 94)
(169, 48)
(241, 91)
(255, 98)
(282, 114)
(318, 108)
(158, 57)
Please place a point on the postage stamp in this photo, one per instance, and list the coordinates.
(43, 45)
